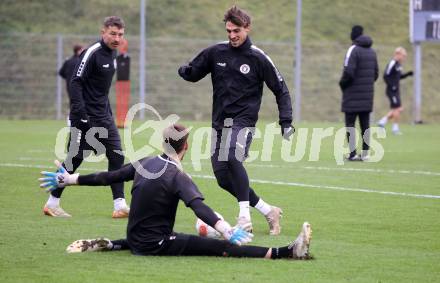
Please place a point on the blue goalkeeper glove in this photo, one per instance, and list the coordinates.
(240, 236)
(61, 178)
(234, 235)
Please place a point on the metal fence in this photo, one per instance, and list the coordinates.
(28, 78)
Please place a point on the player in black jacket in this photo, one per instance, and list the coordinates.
(360, 72)
(68, 68)
(92, 124)
(238, 71)
(158, 185)
(392, 76)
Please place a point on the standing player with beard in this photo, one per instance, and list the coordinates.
(90, 107)
(239, 70)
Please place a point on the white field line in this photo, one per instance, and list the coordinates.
(348, 169)
(411, 172)
(289, 184)
(335, 188)
(367, 170)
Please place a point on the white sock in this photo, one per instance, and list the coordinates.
(120, 203)
(263, 207)
(53, 201)
(244, 209)
(395, 127)
(384, 120)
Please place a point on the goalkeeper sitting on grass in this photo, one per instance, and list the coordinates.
(158, 185)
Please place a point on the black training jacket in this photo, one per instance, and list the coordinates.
(238, 75)
(360, 72)
(67, 70)
(392, 76)
(91, 82)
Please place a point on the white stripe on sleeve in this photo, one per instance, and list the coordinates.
(390, 67)
(84, 60)
(347, 56)
(280, 78)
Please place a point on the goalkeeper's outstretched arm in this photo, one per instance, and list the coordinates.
(60, 179)
(124, 174)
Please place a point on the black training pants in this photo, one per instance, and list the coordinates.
(364, 121)
(106, 133)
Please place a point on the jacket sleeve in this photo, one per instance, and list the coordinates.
(198, 68)
(124, 174)
(388, 75)
(376, 69)
(407, 74)
(204, 212)
(81, 73)
(62, 71)
(350, 65)
(275, 82)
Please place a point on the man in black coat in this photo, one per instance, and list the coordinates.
(357, 84)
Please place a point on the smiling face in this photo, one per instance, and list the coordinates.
(112, 36)
(236, 34)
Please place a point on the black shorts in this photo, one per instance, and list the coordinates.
(231, 143)
(102, 137)
(394, 98)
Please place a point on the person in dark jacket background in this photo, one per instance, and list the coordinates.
(238, 71)
(392, 76)
(66, 71)
(360, 72)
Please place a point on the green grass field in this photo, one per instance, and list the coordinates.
(372, 222)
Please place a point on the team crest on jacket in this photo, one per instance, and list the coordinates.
(244, 69)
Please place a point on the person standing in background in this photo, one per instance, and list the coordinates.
(360, 72)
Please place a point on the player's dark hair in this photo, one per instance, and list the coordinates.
(237, 16)
(356, 31)
(77, 48)
(175, 136)
(114, 21)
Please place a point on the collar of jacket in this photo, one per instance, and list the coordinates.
(105, 47)
(246, 45)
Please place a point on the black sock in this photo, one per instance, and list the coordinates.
(120, 245)
(282, 252)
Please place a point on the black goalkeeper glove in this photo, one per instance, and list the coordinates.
(287, 130)
(184, 70)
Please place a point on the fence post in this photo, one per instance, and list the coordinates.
(298, 55)
(142, 59)
(59, 94)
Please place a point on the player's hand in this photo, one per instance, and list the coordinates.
(239, 236)
(410, 73)
(287, 131)
(234, 235)
(184, 70)
(82, 124)
(61, 178)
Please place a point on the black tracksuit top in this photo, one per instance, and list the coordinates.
(237, 75)
(91, 82)
(392, 76)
